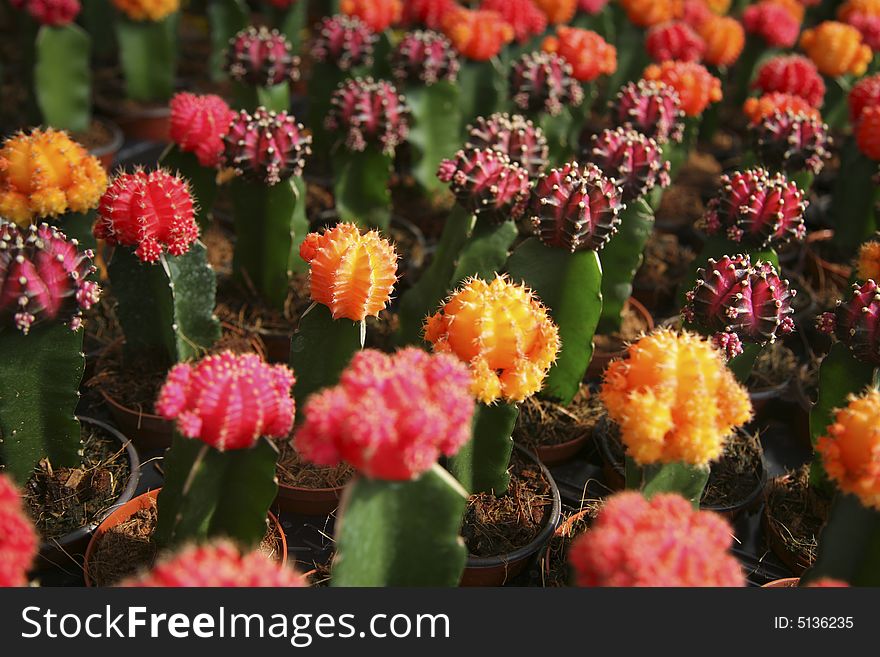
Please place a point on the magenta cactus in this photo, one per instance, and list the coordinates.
(740, 301)
(793, 142)
(652, 108)
(266, 146)
(632, 160)
(856, 322)
(515, 136)
(261, 58)
(43, 277)
(369, 111)
(756, 208)
(487, 183)
(426, 58)
(18, 540)
(544, 82)
(574, 208)
(344, 41)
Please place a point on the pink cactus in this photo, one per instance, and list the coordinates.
(55, 13)
(18, 540)
(630, 160)
(652, 108)
(756, 208)
(856, 322)
(199, 124)
(735, 295)
(219, 564)
(261, 58)
(865, 93)
(425, 58)
(515, 136)
(791, 74)
(345, 41)
(773, 22)
(524, 16)
(663, 541)
(266, 146)
(229, 400)
(792, 142)
(868, 26)
(149, 211)
(486, 182)
(543, 82)
(391, 416)
(574, 208)
(369, 112)
(43, 277)
(429, 13)
(674, 40)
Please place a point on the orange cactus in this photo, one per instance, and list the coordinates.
(793, 7)
(378, 15)
(868, 132)
(674, 399)
(558, 12)
(719, 7)
(477, 34)
(504, 334)
(647, 13)
(588, 53)
(696, 87)
(46, 174)
(725, 39)
(860, 7)
(869, 261)
(351, 273)
(850, 449)
(836, 49)
(147, 10)
(758, 109)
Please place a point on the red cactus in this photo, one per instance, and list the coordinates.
(792, 141)
(425, 58)
(868, 26)
(149, 211)
(43, 277)
(391, 416)
(773, 23)
(674, 40)
(791, 74)
(515, 136)
(697, 88)
(50, 12)
(543, 82)
(487, 183)
(261, 58)
(429, 13)
(631, 160)
(266, 147)
(219, 564)
(524, 16)
(867, 132)
(18, 540)
(576, 209)
(369, 112)
(652, 108)
(865, 93)
(379, 15)
(663, 541)
(228, 400)
(344, 41)
(856, 322)
(757, 209)
(734, 295)
(592, 7)
(199, 124)
(695, 13)
(587, 51)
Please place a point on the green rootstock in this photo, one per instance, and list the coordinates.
(320, 350)
(485, 251)
(361, 186)
(165, 309)
(401, 533)
(854, 199)
(226, 18)
(275, 98)
(434, 133)
(202, 180)
(208, 493)
(148, 55)
(687, 480)
(849, 544)
(267, 221)
(569, 284)
(621, 258)
(291, 22)
(484, 89)
(562, 132)
(63, 77)
(481, 466)
(40, 375)
(323, 82)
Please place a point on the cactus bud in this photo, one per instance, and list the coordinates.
(543, 82)
(793, 142)
(515, 136)
(631, 160)
(652, 108)
(773, 23)
(836, 49)
(228, 400)
(674, 40)
(379, 15)
(266, 147)
(425, 58)
(487, 183)
(261, 58)
(588, 53)
(199, 124)
(526, 19)
(344, 41)
(856, 322)
(18, 540)
(369, 112)
(791, 74)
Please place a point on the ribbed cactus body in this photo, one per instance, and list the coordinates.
(631, 160)
(199, 124)
(368, 112)
(697, 88)
(487, 183)
(588, 53)
(674, 40)
(652, 108)
(266, 147)
(792, 74)
(526, 19)
(515, 136)
(260, 57)
(793, 142)
(344, 41)
(424, 58)
(544, 82)
(856, 322)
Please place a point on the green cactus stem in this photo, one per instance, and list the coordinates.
(40, 375)
(63, 77)
(436, 118)
(484, 88)
(102, 31)
(854, 199)
(208, 493)
(677, 153)
(632, 57)
(562, 132)
(485, 252)
(226, 18)
(275, 98)
(756, 52)
(401, 533)
(202, 180)
(269, 225)
(481, 466)
(166, 308)
(291, 22)
(361, 186)
(687, 480)
(324, 80)
(569, 284)
(148, 55)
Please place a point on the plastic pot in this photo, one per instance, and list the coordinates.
(761, 397)
(601, 357)
(106, 153)
(778, 546)
(58, 551)
(145, 123)
(308, 501)
(551, 455)
(147, 431)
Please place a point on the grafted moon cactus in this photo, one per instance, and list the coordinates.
(424, 58)
(199, 124)
(631, 160)
(367, 112)
(429, 13)
(18, 541)
(696, 87)
(515, 136)
(477, 34)
(758, 109)
(588, 53)
(260, 57)
(344, 41)
(652, 108)
(791, 74)
(266, 147)
(836, 49)
(487, 183)
(865, 93)
(725, 39)
(54, 13)
(773, 23)
(793, 142)
(526, 19)
(674, 40)
(856, 322)
(543, 82)
(379, 15)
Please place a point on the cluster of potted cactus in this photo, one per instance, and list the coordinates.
(432, 274)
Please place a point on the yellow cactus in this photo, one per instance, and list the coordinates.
(836, 49)
(503, 332)
(45, 174)
(147, 10)
(869, 261)
(674, 399)
(851, 448)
